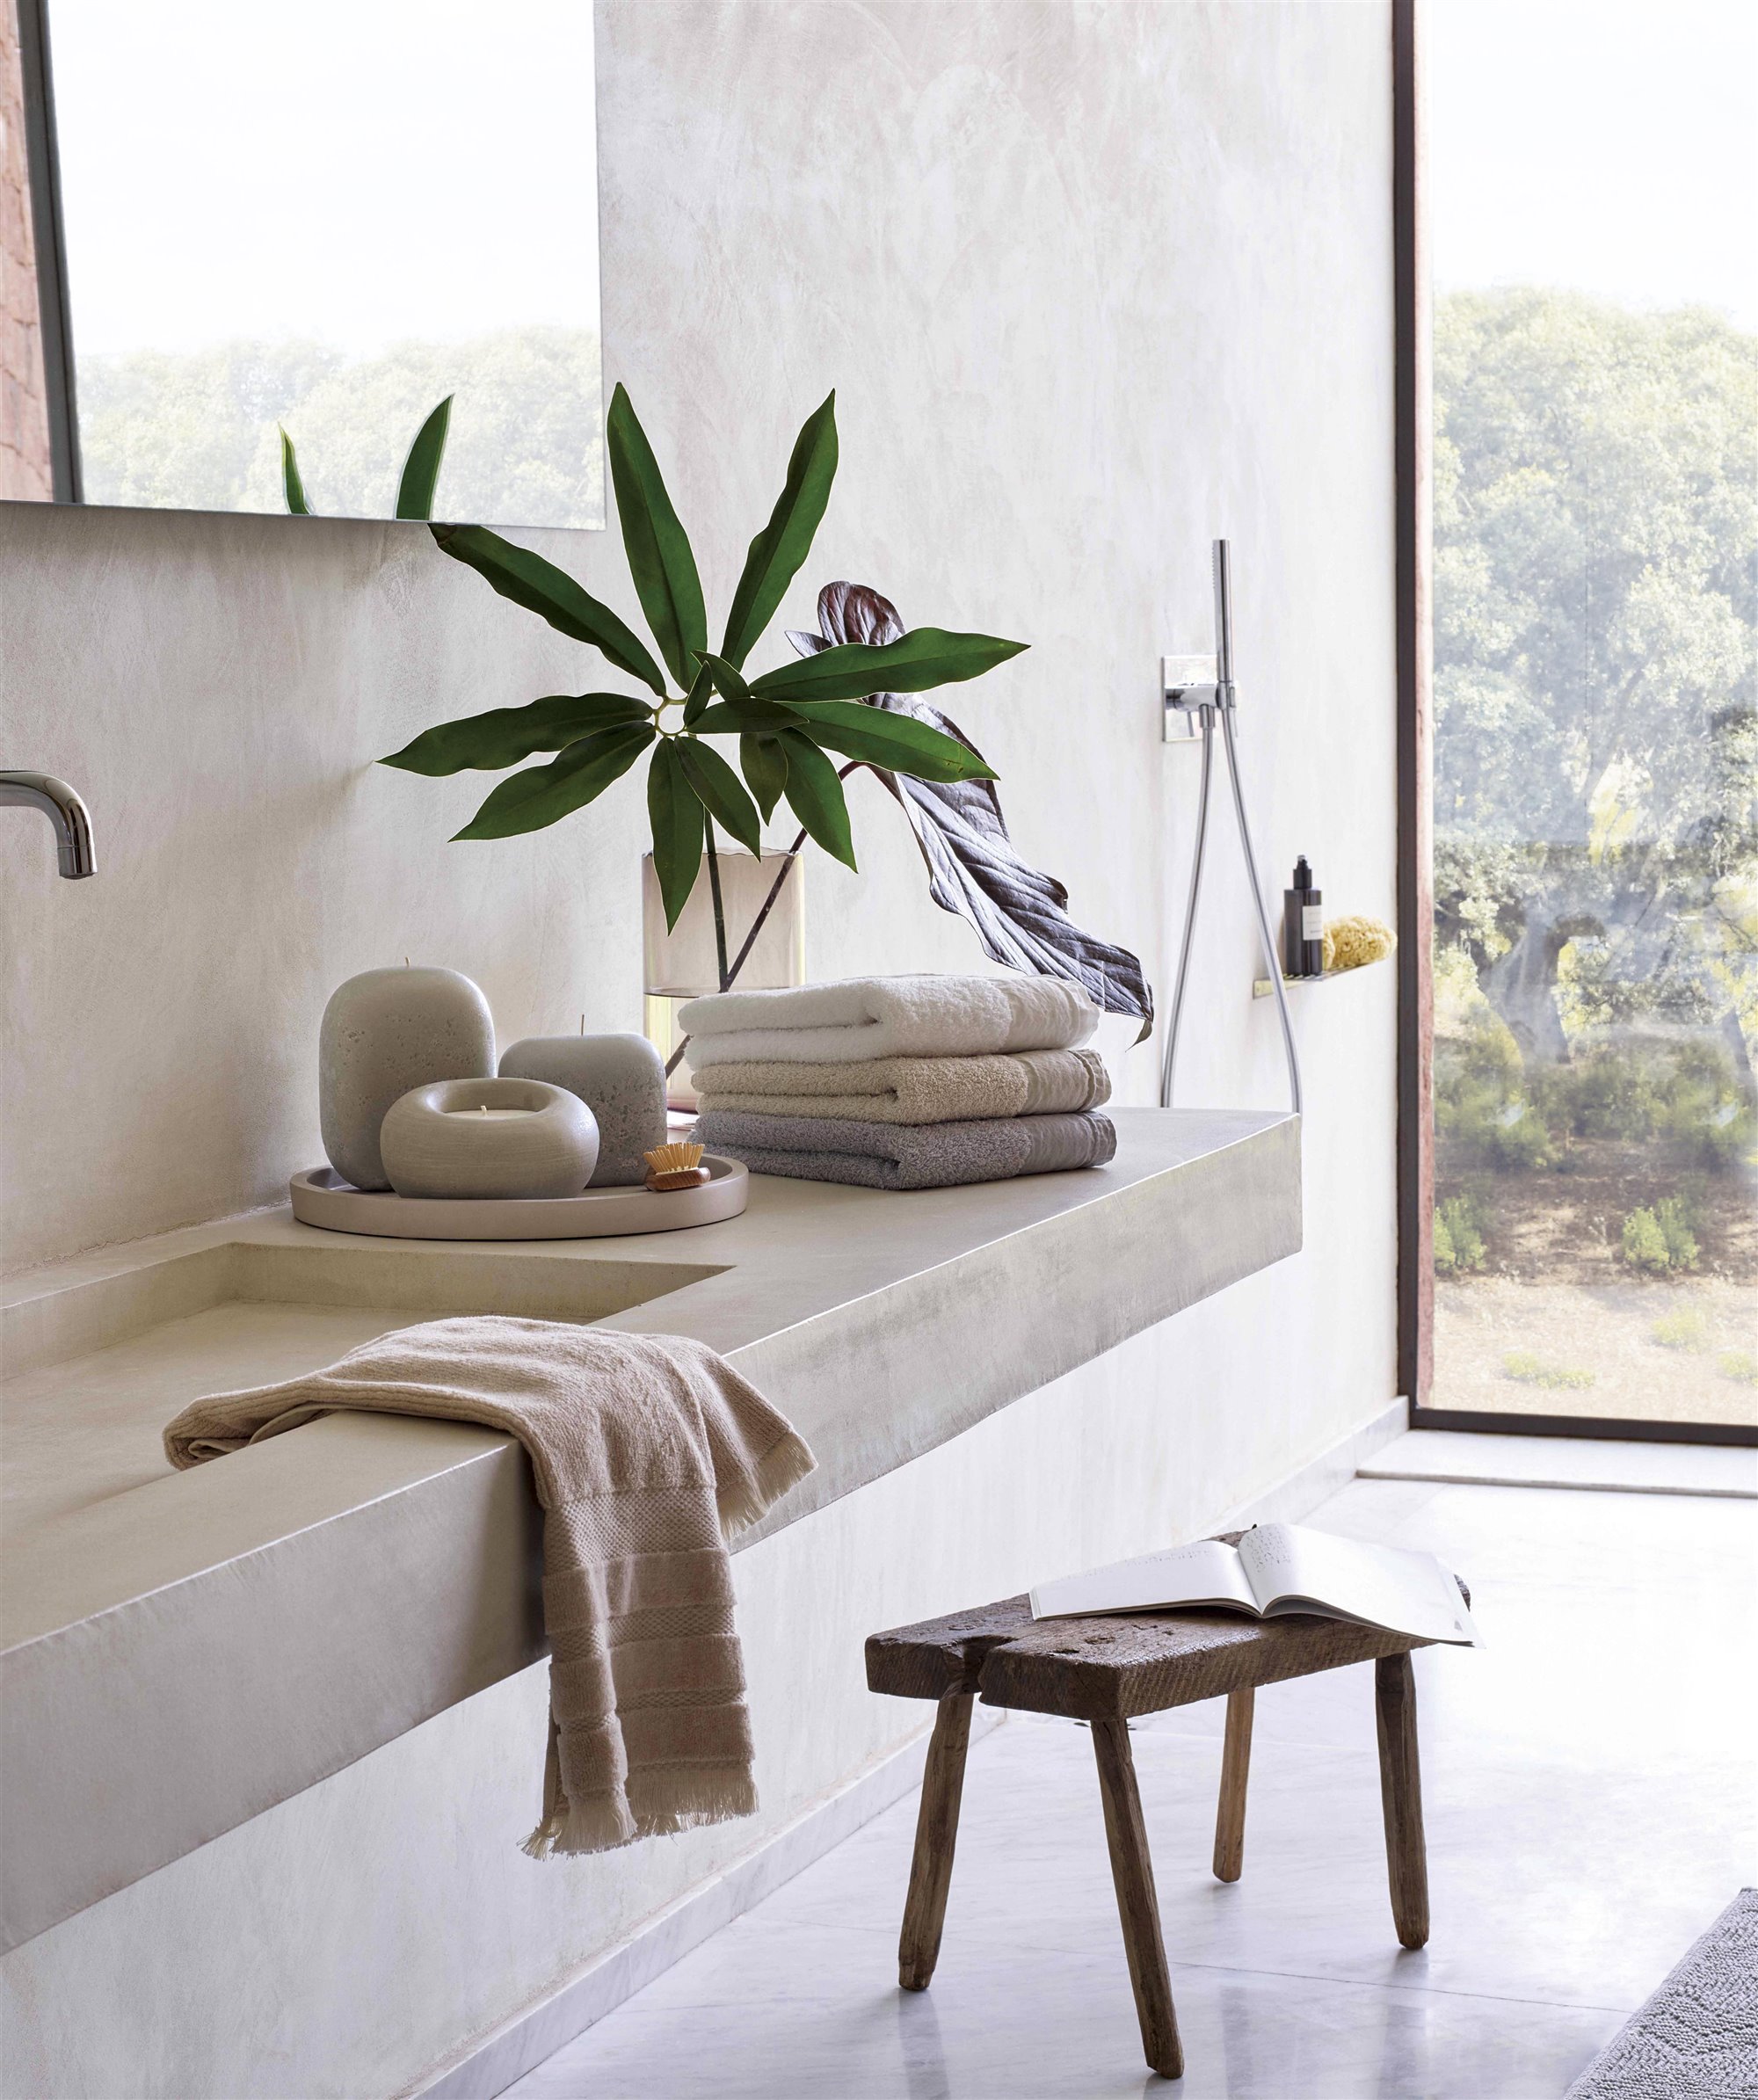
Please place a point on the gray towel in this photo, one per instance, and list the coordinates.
(889, 1155)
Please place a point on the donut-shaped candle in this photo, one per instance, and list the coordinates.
(489, 1138)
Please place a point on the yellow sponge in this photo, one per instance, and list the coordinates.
(1349, 942)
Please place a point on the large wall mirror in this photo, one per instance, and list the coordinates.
(222, 219)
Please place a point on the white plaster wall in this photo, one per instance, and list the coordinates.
(1093, 283)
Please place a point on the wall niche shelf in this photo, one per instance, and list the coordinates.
(1261, 987)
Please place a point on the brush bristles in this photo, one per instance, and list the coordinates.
(677, 1159)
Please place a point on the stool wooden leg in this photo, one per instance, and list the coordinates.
(1235, 1760)
(936, 1832)
(1139, 1907)
(1401, 1787)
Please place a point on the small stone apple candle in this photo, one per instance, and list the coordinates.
(383, 1032)
(619, 1078)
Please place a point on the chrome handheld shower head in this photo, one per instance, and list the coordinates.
(1222, 563)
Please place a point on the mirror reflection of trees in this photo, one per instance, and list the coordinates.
(1596, 814)
(196, 431)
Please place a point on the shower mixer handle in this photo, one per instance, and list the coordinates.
(1187, 686)
(1191, 684)
(1191, 692)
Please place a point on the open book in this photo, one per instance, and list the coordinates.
(1274, 1570)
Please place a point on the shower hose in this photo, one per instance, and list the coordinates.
(1223, 707)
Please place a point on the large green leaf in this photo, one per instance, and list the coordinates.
(486, 743)
(698, 698)
(542, 588)
(421, 469)
(925, 656)
(722, 793)
(659, 550)
(815, 795)
(766, 768)
(733, 717)
(676, 816)
(727, 679)
(778, 551)
(291, 486)
(898, 742)
(542, 795)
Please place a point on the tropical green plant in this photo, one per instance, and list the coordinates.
(200, 430)
(414, 488)
(787, 720)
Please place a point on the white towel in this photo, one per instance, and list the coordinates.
(888, 1017)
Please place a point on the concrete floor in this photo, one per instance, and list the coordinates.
(1591, 1784)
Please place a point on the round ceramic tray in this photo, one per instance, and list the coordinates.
(321, 1197)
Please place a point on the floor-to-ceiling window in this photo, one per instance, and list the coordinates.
(1593, 568)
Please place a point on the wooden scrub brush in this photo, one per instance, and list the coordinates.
(675, 1166)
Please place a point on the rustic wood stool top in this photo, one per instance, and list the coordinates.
(1112, 1668)
(1104, 1671)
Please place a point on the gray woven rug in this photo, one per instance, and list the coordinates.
(1696, 2038)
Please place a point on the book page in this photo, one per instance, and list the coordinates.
(1380, 1586)
(1204, 1573)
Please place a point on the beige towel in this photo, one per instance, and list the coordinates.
(887, 1017)
(645, 1449)
(914, 1090)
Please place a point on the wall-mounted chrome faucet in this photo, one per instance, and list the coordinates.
(63, 808)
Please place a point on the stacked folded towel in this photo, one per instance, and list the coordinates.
(908, 1082)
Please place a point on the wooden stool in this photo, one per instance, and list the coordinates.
(1103, 1671)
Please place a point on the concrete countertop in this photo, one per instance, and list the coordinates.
(248, 1628)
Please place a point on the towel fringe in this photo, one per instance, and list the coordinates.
(742, 1501)
(598, 1824)
(685, 1799)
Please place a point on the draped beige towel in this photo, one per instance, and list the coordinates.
(912, 1090)
(648, 1451)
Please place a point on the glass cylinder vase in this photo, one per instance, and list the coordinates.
(682, 963)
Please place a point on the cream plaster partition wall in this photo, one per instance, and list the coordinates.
(1093, 283)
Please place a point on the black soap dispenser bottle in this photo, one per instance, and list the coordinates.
(1303, 924)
